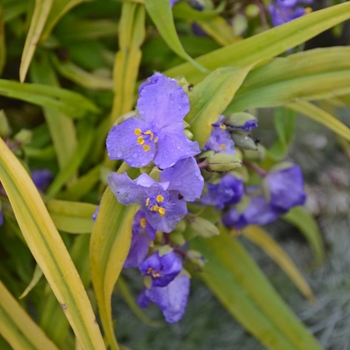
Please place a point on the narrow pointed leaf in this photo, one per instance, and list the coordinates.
(267, 44)
(161, 14)
(18, 328)
(35, 279)
(264, 241)
(48, 249)
(246, 293)
(210, 97)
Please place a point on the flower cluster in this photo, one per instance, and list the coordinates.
(155, 139)
(283, 11)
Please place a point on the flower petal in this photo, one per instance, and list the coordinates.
(173, 145)
(162, 101)
(122, 143)
(184, 177)
(138, 250)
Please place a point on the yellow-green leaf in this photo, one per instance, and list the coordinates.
(18, 328)
(35, 279)
(210, 97)
(41, 12)
(264, 241)
(48, 249)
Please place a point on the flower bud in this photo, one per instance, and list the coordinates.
(23, 136)
(241, 121)
(223, 162)
(177, 238)
(203, 227)
(244, 141)
(257, 155)
(195, 261)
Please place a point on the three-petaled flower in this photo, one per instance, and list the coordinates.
(158, 134)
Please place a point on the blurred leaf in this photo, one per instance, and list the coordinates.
(2, 39)
(322, 117)
(307, 225)
(210, 97)
(48, 249)
(81, 77)
(18, 328)
(185, 11)
(62, 129)
(73, 164)
(161, 14)
(41, 12)
(68, 102)
(58, 9)
(284, 125)
(310, 75)
(35, 279)
(130, 300)
(109, 246)
(246, 293)
(264, 241)
(13, 9)
(267, 44)
(72, 217)
(128, 58)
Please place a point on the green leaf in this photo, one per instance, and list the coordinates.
(210, 97)
(35, 279)
(18, 328)
(264, 241)
(72, 217)
(307, 225)
(2, 39)
(246, 293)
(322, 117)
(48, 249)
(68, 102)
(110, 243)
(41, 12)
(267, 44)
(161, 14)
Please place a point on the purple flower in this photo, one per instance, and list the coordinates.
(163, 269)
(142, 233)
(172, 299)
(158, 135)
(173, 2)
(41, 178)
(220, 139)
(228, 191)
(249, 125)
(164, 203)
(1, 218)
(258, 212)
(286, 188)
(94, 215)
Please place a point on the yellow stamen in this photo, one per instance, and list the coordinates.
(308, 10)
(138, 131)
(143, 222)
(156, 275)
(159, 198)
(161, 211)
(156, 139)
(149, 132)
(223, 146)
(154, 208)
(149, 270)
(222, 127)
(140, 140)
(146, 148)
(147, 202)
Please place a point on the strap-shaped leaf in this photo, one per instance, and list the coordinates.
(307, 225)
(110, 243)
(267, 44)
(72, 217)
(161, 14)
(48, 249)
(40, 14)
(18, 328)
(322, 117)
(264, 241)
(68, 102)
(210, 97)
(246, 293)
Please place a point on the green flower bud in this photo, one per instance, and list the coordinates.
(195, 261)
(257, 155)
(240, 120)
(177, 238)
(203, 227)
(24, 136)
(5, 129)
(252, 10)
(223, 162)
(244, 141)
(188, 134)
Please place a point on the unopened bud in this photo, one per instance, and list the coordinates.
(203, 227)
(223, 162)
(244, 141)
(188, 134)
(252, 10)
(257, 155)
(24, 136)
(164, 249)
(195, 261)
(177, 238)
(5, 129)
(241, 121)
